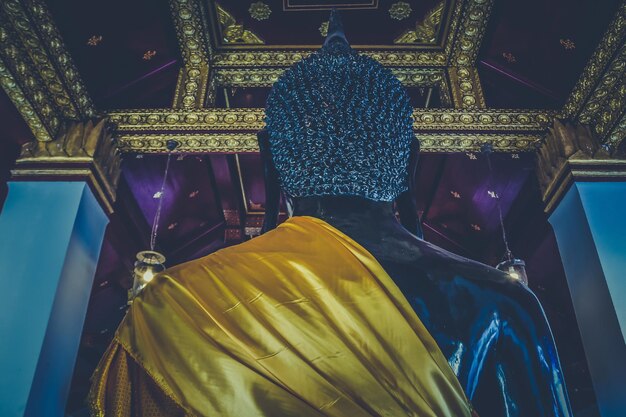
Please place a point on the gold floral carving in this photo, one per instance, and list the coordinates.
(247, 142)
(193, 78)
(467, 92)
(234, 130)
(572, 152)
(252, 119)
(234, 33)
(607, 103)
(400, 10)
(81, 150)
(36, 71)
(286, 58)
(586, 88)
(426, 29)
(466, 88)
(43, 126)
(259, 11)
(266, 77)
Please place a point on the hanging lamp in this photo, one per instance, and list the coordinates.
(150, 262)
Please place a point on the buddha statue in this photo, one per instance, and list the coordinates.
(341, 310)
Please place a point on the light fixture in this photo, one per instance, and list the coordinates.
(514, 267)
(150, 262)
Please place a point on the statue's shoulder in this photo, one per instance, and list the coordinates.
(482, 279)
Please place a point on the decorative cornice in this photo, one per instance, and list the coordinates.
(238, 119)
(571, 152)
(247, 142)
(81, 151)
(234, 130)
(286, 58)
(266, 77)
(195, 49)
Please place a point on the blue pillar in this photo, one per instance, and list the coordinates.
(50, 239)
(590, 227)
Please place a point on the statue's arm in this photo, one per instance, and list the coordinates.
(526, 365)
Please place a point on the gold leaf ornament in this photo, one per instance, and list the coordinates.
(426, 29)
(259, 11)
(400, 10)
(324, 29)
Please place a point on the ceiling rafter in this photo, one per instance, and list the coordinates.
(194, 43)
(466, 87)
(599, 97)
(37, 72)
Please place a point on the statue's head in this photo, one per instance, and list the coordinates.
(339, 123)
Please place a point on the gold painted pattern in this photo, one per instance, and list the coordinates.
(235, 143)
(52, 60)
(195, 49)
(586, 87)
(466, 88)
(286, 58)
(234, 33)
(252, 119)
(426, 29)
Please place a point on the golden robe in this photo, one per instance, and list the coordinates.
(301, 321)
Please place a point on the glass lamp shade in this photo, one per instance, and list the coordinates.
(516, 268)
(148, 264)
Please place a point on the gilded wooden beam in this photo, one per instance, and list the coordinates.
(266, 77)
(269, 58)
(599, 97)
(234, 130)
(193, 40)
(466, 88)
(36, 71)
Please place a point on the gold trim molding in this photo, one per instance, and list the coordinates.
(155, 143)
(81, 151)
(234, 130)
(571, 152)
(599, 97)
(613, 40)
(238, 119)
(286, 58)
(466, 87)
(195, 48)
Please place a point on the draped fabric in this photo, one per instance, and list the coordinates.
(301, 321)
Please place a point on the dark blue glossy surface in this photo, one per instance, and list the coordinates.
(490, 327)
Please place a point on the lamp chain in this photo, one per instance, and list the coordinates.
(487, 150)
(157, 216)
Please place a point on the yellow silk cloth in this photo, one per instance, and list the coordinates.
(301, 321)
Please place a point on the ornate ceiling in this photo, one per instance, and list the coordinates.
(199, 71)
